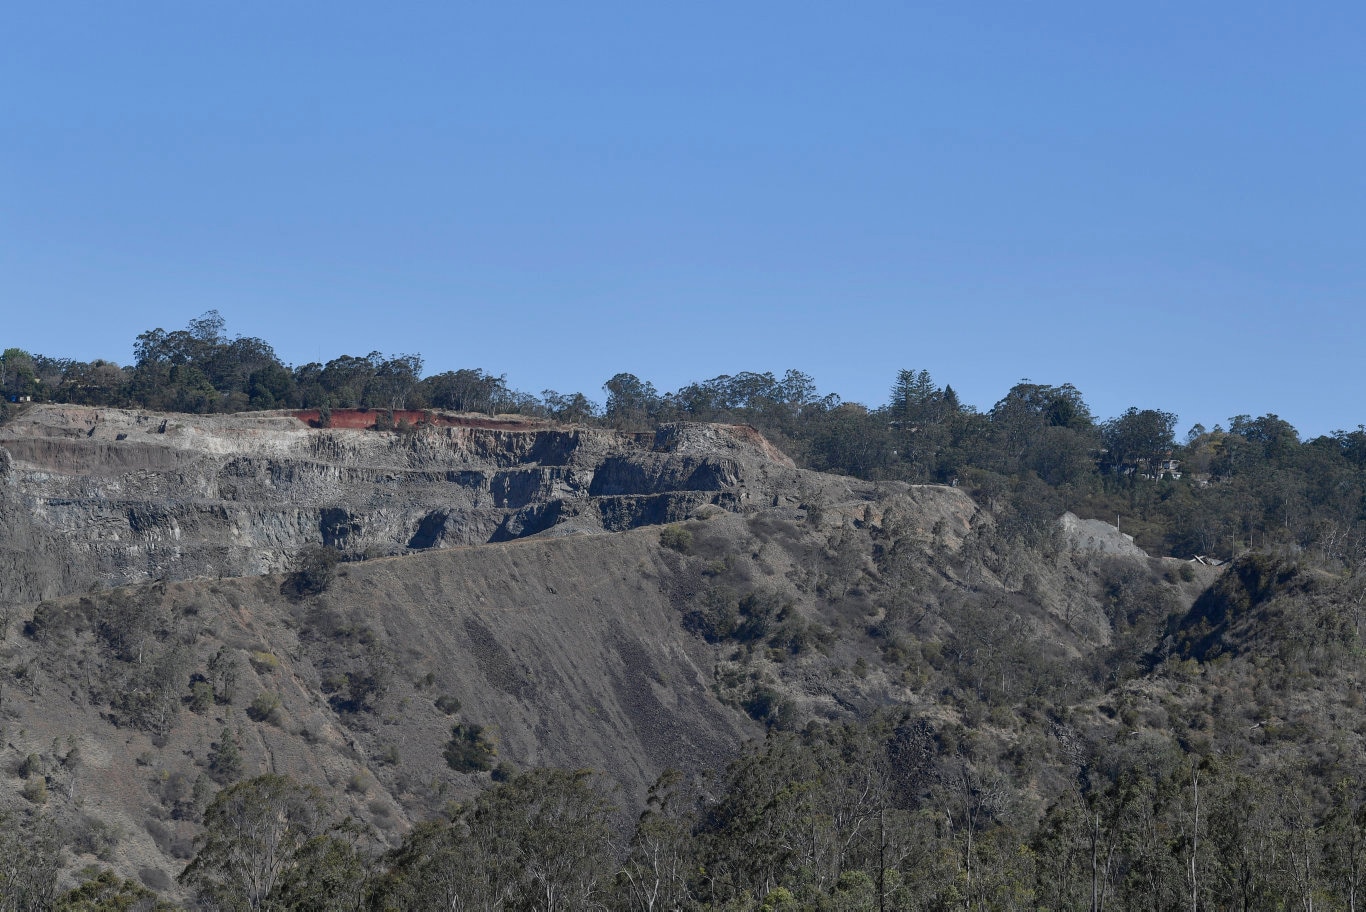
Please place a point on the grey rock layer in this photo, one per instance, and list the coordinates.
(1098, 536)
(110, 496)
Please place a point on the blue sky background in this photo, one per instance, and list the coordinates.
(1160, 203)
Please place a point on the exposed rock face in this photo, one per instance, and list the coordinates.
(787, 596)
(114, 496)
(1100, 537)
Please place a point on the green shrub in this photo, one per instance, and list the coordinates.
(225, 759)
(36, 790)
(312, 571)
(780, 900)
(32, 766)
(715, 568)
(357, 692)
(766, 705)
(58, 623)
(264, 662)
(222, 671)
(716, 617)
(469, 750)
(92, 836)
(265, 708)
(676, 538)
(201, 696)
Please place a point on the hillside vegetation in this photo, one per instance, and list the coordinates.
(1252, 483)
(614, 659)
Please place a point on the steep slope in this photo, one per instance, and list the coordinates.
(568, 651)
(770, 597)
(535, 641)
(108, 496)
(1266, 665)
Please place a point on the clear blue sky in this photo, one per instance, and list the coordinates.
(1162, 203)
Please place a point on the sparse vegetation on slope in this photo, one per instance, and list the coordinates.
(796, 691)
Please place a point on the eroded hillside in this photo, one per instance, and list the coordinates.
(153, 652)
(109, 496)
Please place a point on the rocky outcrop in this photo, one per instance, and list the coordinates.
(116, 496)
(1097, 536)
(783, 597)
